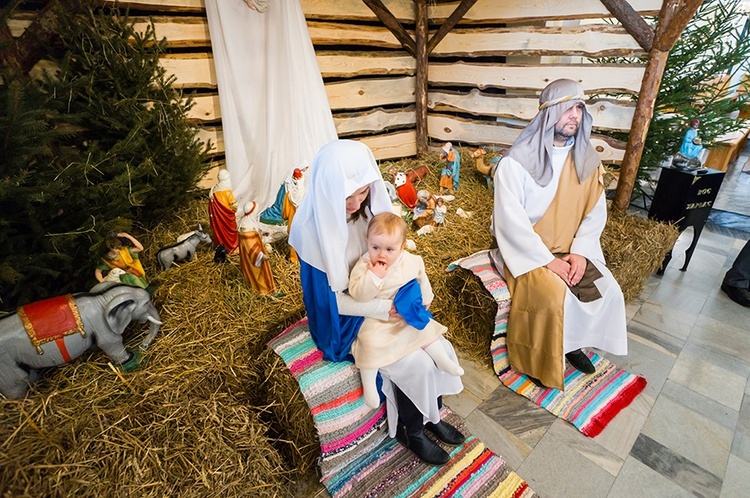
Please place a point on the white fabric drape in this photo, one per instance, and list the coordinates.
(274, 109)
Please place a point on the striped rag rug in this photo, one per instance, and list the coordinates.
(589, 402)
(359, 459)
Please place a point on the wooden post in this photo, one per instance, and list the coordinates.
(632, 22)
(674, 16)
(390, 22)
(422, 75)
(450, 23)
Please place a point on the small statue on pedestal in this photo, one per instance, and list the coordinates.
(689, 156)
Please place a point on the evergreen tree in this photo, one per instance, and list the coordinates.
(100, 145)
(711, 47)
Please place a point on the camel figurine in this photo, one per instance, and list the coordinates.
(487, 170)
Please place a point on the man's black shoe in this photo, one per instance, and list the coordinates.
(420, 444)
(537, 382)
(446, 433)
(580, 361)
(737, 294)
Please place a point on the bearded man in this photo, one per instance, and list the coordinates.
(548, 217)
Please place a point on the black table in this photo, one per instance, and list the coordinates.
(685, 198)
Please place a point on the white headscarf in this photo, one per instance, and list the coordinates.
(224, 182)
(319, 233)
(533, 147)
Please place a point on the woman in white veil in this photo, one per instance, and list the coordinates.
(329, 231)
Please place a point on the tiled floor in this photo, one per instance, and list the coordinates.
(688, 434)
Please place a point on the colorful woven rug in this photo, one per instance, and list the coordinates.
(358, 459)
(589, 402)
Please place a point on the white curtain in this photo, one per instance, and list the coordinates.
(274, 109)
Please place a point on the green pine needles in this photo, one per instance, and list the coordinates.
(98, 145)
(712, 48)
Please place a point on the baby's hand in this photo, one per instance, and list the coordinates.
(427, 306)
(378, 268)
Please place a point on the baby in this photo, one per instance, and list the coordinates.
(387, 271)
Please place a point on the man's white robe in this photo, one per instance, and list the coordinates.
(519, 203)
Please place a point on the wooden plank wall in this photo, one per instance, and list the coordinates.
(484, 76)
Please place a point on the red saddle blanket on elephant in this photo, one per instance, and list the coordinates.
(51, 319)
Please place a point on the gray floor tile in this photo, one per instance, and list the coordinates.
(736, 480)
(689, 434)
(620, 435)
(695, 371)
(700, 404)
(587, 447)
(719, 307)
(676, 468)
(639, 480)
(554, 469)
(647, 362)
(719, 336)
(518, 415)
(513, 450)
(670, 294)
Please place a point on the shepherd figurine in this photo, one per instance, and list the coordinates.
(451, 169)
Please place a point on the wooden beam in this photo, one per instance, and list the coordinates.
(422, 32)
(674, 16)
(36, 38)
(632, 22)
(449, 24)
(682, 11)
(393, 25)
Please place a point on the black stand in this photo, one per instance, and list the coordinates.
(685, 198)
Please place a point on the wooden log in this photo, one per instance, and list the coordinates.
(674, 16)
(644, 111)
(450, 128)
(350, 64)
(205, 108)
(162, 5)
(190, 70)
(359, 94)
(484, 11)
(590, 41)
(632, 22)
(593, 77)
(325, 33)
(393, 25)
(179, 31)
(374, 120)
(449, 23)
(392, 145)
(608, 114)
(488, 11)
(32, 44)
(356, 10)
(215, 135)
(420, 97)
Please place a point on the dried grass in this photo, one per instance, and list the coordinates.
(214, 412)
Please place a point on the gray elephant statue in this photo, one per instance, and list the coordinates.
(183, 250)
(57, 330)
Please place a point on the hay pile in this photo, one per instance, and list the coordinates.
(189, 423)
(635, 248)
(214, 412)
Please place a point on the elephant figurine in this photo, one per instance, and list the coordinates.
(57, 330)
(183, 249)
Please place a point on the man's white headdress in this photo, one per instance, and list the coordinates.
(533, 147)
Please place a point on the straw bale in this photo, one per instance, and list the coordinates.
(635, 248)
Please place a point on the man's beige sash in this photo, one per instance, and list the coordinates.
(535, 323)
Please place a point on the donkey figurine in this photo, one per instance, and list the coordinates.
(183, 249)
